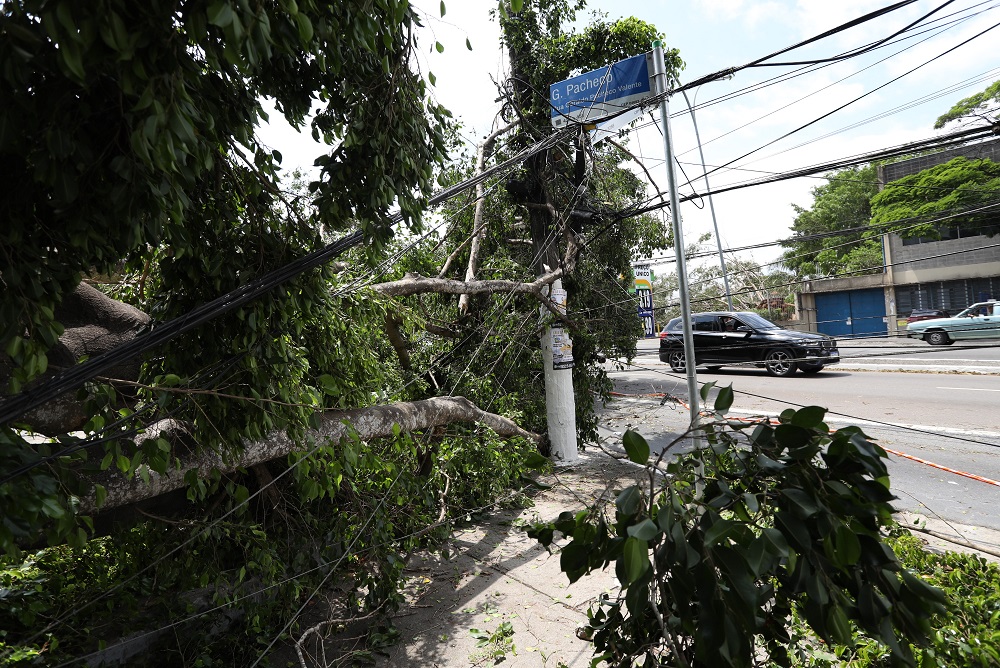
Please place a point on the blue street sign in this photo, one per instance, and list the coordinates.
(603, 92)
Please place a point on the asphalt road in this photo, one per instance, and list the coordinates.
(945, 412)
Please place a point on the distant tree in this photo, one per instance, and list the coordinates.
(939, 195)
(982, 106)
(753, 287)
(830, 238)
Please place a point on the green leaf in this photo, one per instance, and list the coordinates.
(220, 14)
(170, 380)
(636, 447)
(439, 47)
(719, 531)
(516, 5)
(468, 44)
(847, 547)
(636, 556)
(535, 461)
(803, 505)
(52, 509)
(724, 399)
(100, 494)
(645, 530)
(792, 436)
(442, 8)
(809, 417)
(433, 79)
(705, 390)
(628, 500)
(838, 626)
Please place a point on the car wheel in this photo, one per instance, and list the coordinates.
(810, 369)
(676, 361)
(713, 368)
(779, 363)
(937, 338)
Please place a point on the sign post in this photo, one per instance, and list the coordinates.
(675, 219)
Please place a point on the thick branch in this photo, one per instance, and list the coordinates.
(368, 423)
(485, 152)
(413, 284)
(94, 323)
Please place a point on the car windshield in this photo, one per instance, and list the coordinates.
(756, 321)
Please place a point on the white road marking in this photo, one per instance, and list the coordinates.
(915, 359)
(974, 389)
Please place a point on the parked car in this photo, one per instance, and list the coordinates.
(918, 314)
(726, 338)
(979, 321)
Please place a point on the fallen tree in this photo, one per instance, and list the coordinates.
(361, 423)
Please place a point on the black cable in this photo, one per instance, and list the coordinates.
(954, 139)
(860, 97)
(861, 50)
(728, 72)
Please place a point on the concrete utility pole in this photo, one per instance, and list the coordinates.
(560, 403)
(660, 76)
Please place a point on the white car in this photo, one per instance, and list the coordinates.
(979, 321)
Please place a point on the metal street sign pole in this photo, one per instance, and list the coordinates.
(660, 77)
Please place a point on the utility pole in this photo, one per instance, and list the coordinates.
(560, 402)
(711, 204)
(660, 76)
(557, 348)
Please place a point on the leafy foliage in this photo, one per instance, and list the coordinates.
(980, 105)
(358, 509)
(833, 235)
(966, 635)
(763, 521)
(752, 286)
(957, 186)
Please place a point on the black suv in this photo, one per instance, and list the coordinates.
(726, 338)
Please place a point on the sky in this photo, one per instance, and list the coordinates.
(715, 34)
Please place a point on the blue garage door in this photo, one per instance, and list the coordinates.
(852, 313)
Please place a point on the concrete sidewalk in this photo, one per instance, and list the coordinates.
(503, 584)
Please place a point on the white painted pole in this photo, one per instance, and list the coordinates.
(660, 72)
(560, 406)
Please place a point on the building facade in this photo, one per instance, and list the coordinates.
(950, 273)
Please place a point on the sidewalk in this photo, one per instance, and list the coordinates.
(497, 575)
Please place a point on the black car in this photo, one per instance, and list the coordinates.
(727, 338)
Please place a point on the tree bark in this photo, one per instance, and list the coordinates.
(368, 423)
(94, 323)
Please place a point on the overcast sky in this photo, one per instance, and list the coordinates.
(715, 34)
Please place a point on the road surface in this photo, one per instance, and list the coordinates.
(946, 413)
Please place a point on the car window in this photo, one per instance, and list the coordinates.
(706, 323)
(756, 321)
(674, 324)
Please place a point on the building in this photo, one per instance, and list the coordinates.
(961, 268)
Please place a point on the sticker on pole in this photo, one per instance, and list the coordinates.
(594, 96)
(562, 348)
